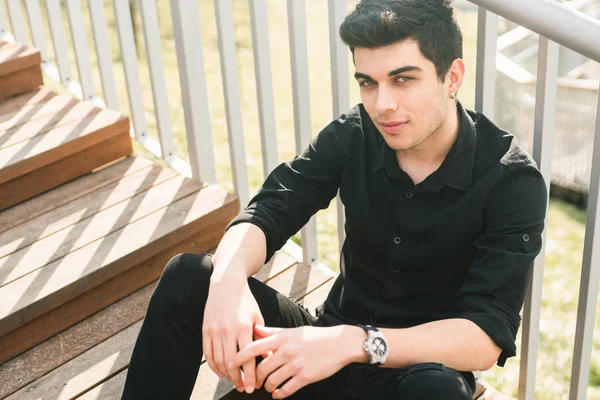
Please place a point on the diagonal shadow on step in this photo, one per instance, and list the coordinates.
(88, 211)
(58, 119)
(33, 142)
(45, 273)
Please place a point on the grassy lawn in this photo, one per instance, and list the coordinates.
(565, 227)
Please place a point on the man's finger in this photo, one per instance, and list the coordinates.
(266, 367)
(266, 331)
(255, 349)
(233, 372)
(249, 368)
(208, 354)
(290, 387)
(277, 377)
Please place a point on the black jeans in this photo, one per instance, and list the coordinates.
(168, 350)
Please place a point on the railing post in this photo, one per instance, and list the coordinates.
(545, 105)
(233, 106)
(130, 67)
(590, 277)
(487, 35)
(78, 36)
(157, 77)
(103, 52)
(59, 42)
(188, 45)
(16, 20)
(3, 26)
(36, 26)
(302, 125)
(264, 84)
(339, 84)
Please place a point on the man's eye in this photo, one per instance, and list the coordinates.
(404, 79)
(366, 83)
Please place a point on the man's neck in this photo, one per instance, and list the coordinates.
(427, 157)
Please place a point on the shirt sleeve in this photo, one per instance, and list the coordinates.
(493, 293)
(297, 189)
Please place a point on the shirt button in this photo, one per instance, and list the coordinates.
(526, 238)
(397, 270)
(373, 319)
(397, 240)
(409, 195)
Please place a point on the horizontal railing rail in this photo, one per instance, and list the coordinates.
(556, 23)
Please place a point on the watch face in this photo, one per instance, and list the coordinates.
(378, 346)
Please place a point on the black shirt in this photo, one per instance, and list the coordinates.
(460, 244)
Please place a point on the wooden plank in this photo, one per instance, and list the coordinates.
(299, 279)
(71, 191)
(21, 81)
(317, 296)
(279, 263)
(38, 292)
(85, 206)
(13, 132)
(28, 99)
(104, 294)
(68, 166)
(74, 341)
(111, 389)
(15, 57)
(48, 106)
(78, 375)
(58, 143)
(55, 246)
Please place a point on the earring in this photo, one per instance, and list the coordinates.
(452, 95)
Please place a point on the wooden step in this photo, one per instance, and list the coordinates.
(48, 139)
(110, 233)
(20, 69)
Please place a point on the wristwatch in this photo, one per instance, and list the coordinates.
(375, 346)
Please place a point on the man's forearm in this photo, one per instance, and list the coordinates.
(457, 343)
(241, 252)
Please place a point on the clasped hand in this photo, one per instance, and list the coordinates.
(293, 357)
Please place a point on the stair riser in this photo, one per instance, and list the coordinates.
(21, 81)
(96, 298)
(64, 169)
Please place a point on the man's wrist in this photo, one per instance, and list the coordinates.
(354, 339)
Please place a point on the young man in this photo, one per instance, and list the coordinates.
(444, 219)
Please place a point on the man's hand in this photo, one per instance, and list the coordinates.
(230, 315)
(303, 355)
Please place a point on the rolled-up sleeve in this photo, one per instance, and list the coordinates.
(296, 190)
(493, 293)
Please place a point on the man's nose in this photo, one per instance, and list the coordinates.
(385, 100)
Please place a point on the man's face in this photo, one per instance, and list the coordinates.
(401, 92)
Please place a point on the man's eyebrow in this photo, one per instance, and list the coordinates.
(408, 68)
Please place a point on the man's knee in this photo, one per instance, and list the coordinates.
(433, 381)
(183, 275)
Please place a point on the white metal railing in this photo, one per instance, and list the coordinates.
(554, 22)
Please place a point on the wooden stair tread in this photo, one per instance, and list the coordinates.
(42, 118)
(25, 101)
(82, 232)
(91, 128)
(70, 191)
(15, 57)
(37, 292)
(84, 370)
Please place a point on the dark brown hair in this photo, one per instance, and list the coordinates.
(431, 23)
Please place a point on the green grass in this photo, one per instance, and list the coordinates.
(565, 226)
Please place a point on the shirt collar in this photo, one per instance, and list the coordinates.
(457, 169)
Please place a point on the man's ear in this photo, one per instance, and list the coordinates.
(455, 76)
